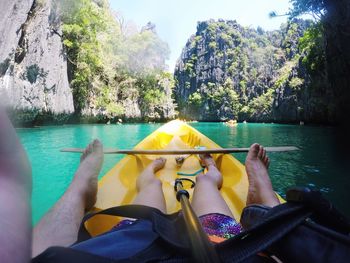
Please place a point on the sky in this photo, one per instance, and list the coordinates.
(176, 20)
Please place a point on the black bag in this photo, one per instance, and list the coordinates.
(322, 235)
(305, 229)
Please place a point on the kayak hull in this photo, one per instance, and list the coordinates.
(118, 186)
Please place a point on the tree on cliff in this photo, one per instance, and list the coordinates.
(334, 16)
(115, 70)
(229, 71)
(335, 20)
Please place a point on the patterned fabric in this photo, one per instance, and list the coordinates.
(123, 223)
(218, 227)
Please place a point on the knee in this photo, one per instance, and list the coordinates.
(210, 177)
(150, 182)
(202, 178)
(155, 182)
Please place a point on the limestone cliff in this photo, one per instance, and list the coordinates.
(33, 67)
(229, 71)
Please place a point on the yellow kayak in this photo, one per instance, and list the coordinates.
(117, 187)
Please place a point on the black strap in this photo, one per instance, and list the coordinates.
(167, 226)
(325, 212)
(131, 211)
(278, 222)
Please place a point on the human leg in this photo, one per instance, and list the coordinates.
(59, 227)
(15, 196)
(206, 196)
(149, 187)
(260, 188)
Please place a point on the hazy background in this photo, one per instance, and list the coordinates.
(177, 20)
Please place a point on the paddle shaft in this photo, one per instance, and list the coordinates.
(185, 151)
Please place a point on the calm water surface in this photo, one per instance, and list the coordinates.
(314, 165)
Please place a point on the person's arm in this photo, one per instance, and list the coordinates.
(15, 196)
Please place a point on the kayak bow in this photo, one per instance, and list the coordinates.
(117, 187)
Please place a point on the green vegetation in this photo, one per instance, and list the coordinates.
(33, 71)
(195, 99)
(115, 70)
(256, 63)
(261, 68)
(229, 71)
(312, 45)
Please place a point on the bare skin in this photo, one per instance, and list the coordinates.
(15, 196)
(206, 192)
(149, 187)
(63, 221)
(260, 189)
(59, 227)
(86, 176)
(206, 196)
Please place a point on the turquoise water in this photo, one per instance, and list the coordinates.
(314, 165)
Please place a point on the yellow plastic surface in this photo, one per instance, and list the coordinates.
(117, 187)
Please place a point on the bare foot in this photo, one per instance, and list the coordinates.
(148, 175)
(260, 189)
(157, 164)
(213, 172)
(86, 176)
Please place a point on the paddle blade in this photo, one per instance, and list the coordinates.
(281, 149)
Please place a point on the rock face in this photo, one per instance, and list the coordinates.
(227, 71)
(33, 68)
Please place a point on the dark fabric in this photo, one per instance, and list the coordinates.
(68, 255)
(285, 230)
(308, 242)
(305, 244)
(277, 222)
(131, 211)
(122, 243)
(252, 215)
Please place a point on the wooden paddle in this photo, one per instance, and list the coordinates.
(185, 151)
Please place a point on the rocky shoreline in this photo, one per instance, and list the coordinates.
(32, 118)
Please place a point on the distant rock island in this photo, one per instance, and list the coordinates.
(227, 71)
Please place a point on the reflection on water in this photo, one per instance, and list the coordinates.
(314, 165)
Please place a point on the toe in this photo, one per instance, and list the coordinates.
(253, 151)
(206, 160)
(265, 160)
(97, 145)
(90, 148)
(158, 163)
(260, 153)
(263, 156)
(85, 153)
(161, 160)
